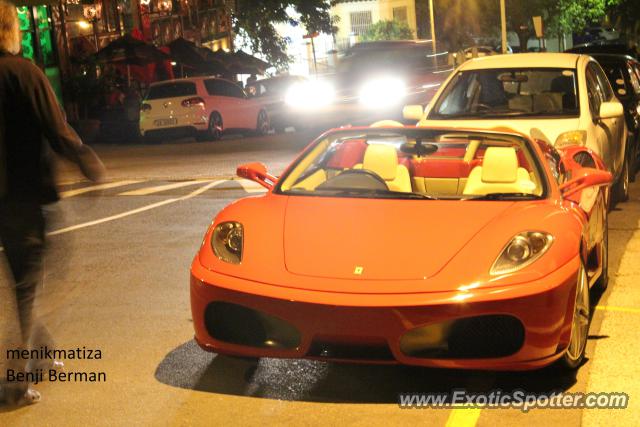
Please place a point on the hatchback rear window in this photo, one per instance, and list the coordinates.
(172, 90)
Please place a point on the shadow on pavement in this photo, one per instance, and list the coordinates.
(189, 367)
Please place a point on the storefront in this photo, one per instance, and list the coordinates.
(42, 38)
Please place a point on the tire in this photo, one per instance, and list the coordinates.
(214, 128)
(147, 139)
(263, 125)
(603, 281)
(573, 357)
(621, 187)
(634, 161)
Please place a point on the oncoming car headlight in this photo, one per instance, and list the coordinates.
(521, 251)
(383, 92)
(311, 94)
(227, 241)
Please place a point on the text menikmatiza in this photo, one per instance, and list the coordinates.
(45, 352)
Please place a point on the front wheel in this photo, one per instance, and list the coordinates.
(263, 125)
(603, 281)
(574, 355)
(621, 187)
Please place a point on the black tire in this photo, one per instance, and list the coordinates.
(214, 128)
(634, 161)
(263, 125)
(149, 139)
(621, 187)
(580, 322)
(603, 281)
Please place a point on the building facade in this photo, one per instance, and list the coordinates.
(356, 16)
(57, 34)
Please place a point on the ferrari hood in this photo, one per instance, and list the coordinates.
(379, 239)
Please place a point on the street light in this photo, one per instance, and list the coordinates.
(433, 27)
(503, 20)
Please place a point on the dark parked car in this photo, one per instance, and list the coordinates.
(623, 73)
(272, 92)
(606, 46)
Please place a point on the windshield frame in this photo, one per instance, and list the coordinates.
(424, 133)
(434, 115)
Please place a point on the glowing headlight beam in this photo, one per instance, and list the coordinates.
(383, 92)
(310, 95)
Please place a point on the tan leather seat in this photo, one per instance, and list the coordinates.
(383, 160)
(499, 173)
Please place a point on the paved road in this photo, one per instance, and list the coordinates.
(116, 279)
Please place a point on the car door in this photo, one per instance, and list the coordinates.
(598, 132)
(240, 107)
(616, 125)
(218, 100)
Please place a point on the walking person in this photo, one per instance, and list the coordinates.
(32, 127)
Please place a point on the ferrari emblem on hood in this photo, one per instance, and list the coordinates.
(358, 270)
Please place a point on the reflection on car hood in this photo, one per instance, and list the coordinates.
(379, 239)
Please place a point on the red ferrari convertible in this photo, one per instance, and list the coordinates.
(421, 246)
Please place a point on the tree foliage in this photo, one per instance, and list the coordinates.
(458, 21)
(255, 20)
(388, 30)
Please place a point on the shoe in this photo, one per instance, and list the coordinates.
(29, 397)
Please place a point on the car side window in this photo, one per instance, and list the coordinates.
(603, 83)
(232, 90)
(595, 98)
(634, 77)
(213, 87)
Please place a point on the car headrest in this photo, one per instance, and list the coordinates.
(500, 165)
(381, 159)
(386, 123)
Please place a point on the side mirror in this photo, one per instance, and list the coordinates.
(610, 110)
(413, 112)
(257, 172)
(583, 178)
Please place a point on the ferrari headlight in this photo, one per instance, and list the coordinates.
(311, 94)
(574, 137)
(227, 241)
(521, 251)
(383, 92)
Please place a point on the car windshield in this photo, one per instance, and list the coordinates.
(416, 164)
(366, 58)
(525, 92)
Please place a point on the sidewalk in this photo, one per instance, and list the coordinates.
(615, 363)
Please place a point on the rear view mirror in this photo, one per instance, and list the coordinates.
(257, 172)
(610, 110)
(583, 178)
(413, 112)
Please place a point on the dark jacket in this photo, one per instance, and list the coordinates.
(32, 123)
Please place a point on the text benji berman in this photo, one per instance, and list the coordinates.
(49, 354)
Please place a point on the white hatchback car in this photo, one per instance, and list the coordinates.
(558, 97)
(205, 106)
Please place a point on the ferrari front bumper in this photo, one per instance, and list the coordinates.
(517, 327)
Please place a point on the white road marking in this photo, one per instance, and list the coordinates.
(250, 186)
(134, 211)
(157, 189)
(71, 193)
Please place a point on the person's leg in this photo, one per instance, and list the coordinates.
(22, 234)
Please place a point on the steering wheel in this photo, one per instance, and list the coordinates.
(355, 179)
